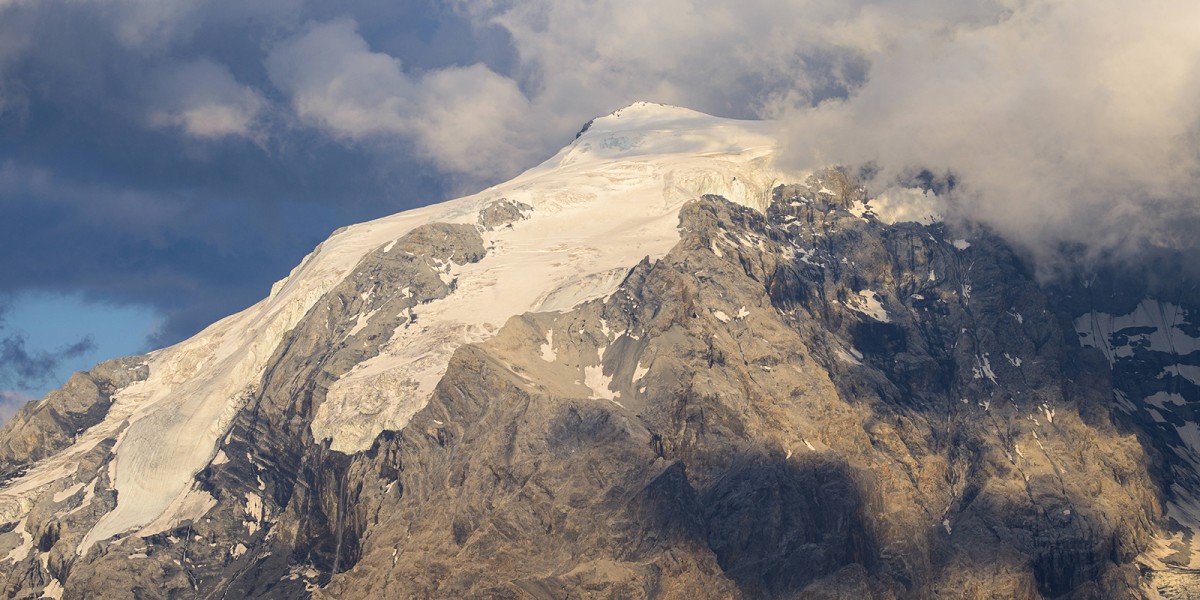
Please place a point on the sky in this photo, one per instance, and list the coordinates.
(162, 162)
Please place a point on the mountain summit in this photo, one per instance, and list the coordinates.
(655, 365)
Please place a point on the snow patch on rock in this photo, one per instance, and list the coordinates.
(21, 552)
(548, 353)
(1152, 325)
(595, 379)
(639, 372)
(868, 304)
(846, 357)
(67, 493)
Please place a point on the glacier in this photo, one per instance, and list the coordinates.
(598, 206)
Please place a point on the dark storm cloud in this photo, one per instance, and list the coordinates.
(145, 157)
(185, 154)
(23, 368)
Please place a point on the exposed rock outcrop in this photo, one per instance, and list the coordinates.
(804, 402)
(42, 428)
(736, 421)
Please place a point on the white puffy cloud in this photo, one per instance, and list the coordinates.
(464, 119)
(202, 98)
(471, 118)
(337, 82)
(717, 57)
(1063, 121)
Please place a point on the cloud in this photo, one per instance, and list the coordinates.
(573, 61)
(715, 57)
(180, 252)
(140, 140)
(27, 369)
(462, 118)
(203, 99)
(132, 166)
(1063, 122)
(335, 81)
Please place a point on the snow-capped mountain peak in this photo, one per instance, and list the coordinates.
(655, 361)
(605, 201)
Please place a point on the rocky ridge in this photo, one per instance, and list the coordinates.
(798, 399)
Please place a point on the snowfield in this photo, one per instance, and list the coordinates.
(600, 205)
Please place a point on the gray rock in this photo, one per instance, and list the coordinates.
(797, 404)
(42, 428)
(502, 213)
(517, 480)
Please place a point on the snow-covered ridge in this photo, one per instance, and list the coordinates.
(600, 205)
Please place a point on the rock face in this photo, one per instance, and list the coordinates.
(42, 428)
(797, 400)
(1144, 327)
(736, 421)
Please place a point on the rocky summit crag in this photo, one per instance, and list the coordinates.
(720, 384)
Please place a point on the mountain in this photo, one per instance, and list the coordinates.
(653, 366)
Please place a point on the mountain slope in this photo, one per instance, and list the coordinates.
(750, 413)
(645, 368)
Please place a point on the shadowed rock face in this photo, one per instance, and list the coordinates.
(1142, 324)
(802, 403)
(712, 429)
